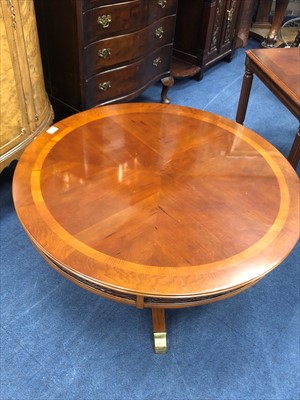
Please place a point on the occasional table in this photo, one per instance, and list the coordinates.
(278, 69)
(157, 206)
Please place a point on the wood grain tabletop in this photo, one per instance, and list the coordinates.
(162, 203)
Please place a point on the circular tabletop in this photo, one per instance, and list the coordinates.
(164, 202)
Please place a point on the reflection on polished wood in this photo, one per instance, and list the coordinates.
(157, 206)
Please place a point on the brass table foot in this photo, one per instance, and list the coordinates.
(160, 342)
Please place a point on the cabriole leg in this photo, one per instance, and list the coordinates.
(167, 83)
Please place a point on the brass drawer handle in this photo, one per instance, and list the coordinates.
(159, 32)
(156, 61)
(162, 3)
(104, 53)
(104, 20)
(104, 86)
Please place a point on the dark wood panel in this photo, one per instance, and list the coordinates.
(205, 33)
(189, 26)
(60, 49)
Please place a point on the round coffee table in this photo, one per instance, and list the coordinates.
(157, 206)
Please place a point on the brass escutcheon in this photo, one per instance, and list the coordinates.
(156, 61)
(104, 86)
(229, 15)
(104, 20)
(162, 3)
(104, 53)
(159, 32)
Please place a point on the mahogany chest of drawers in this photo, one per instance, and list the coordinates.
(96, 52)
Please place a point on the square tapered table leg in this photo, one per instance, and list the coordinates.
(159, 330)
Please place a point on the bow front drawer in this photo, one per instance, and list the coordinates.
(129, 47)
(115, 19)
(117, 83)
(161, 8)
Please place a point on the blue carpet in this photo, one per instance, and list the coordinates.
(60, 342)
